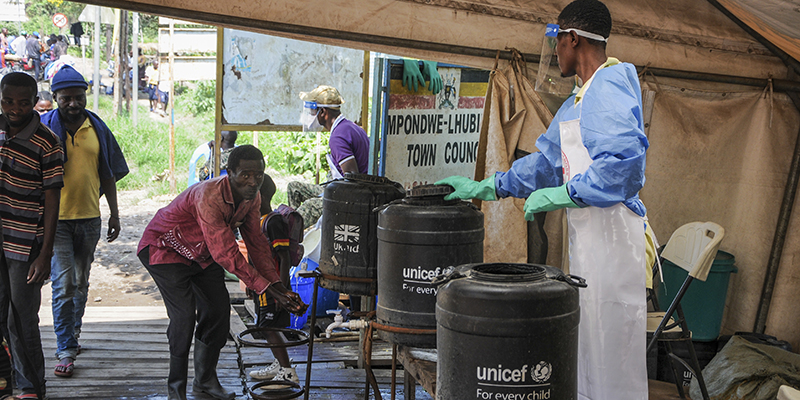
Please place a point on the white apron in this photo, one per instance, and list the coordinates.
(607, 248)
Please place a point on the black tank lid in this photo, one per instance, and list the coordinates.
(350, 176)
(429, 191)
(508, 272)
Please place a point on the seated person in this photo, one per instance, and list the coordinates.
(226, 146)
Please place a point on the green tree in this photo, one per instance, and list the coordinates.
(40, 15)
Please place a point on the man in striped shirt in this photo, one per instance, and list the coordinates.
(31, 178)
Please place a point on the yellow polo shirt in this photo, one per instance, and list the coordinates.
(80, 197)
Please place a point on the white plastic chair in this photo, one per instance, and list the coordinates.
(692, 247)
(788, 393)
(200, 155)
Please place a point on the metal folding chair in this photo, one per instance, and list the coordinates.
(692, 247)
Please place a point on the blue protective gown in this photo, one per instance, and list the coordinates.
(613, 132)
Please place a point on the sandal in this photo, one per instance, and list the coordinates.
(63, 370)
(29, 396)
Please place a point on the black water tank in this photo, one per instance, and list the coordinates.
(419, 238)
(507, 331)
(349, 221)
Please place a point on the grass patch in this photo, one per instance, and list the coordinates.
(146, 146)
(288, 155)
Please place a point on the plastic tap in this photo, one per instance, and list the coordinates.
(338, 322)
(303, 267)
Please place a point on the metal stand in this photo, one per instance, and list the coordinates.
(394, 368)
(365, 339)
(296, 389)
(316, 275)
(371, 381)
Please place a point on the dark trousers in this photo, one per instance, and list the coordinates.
(37, 66)
(192, 295)
(19, 311)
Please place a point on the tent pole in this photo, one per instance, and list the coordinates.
(171, 107)
(96, 59)
(135, 66)
(788, 60)
(784, 215)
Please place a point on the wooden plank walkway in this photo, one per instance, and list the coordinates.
(125, 355)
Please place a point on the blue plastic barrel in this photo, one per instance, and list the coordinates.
(326, 299)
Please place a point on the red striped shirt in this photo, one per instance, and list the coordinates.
(30, 162)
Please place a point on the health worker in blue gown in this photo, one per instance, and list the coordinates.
(591, 162)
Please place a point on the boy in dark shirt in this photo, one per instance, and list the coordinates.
(269, 314)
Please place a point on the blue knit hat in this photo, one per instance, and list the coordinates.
(66, 78)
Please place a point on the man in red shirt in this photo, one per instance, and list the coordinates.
(185, 248)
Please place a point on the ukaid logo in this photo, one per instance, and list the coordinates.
(526, 382)
(346, 237)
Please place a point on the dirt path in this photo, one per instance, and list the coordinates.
(117, 277)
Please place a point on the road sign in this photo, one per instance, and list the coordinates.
(59, 20)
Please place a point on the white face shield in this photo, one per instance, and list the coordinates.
(308, 117)
(549, 79)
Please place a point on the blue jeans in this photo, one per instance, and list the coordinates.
(73, 255)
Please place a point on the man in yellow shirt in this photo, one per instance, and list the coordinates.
(93, 162)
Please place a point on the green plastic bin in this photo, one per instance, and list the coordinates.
(704, 302)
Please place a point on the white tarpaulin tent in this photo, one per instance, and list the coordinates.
(721, 125)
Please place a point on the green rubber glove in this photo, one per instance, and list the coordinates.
(412, 76)
(548, 199)
(429, 69)
(468, 189)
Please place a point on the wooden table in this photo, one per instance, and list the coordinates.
(419, 366)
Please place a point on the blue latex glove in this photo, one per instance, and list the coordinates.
(468, 189)
(412, 76)
(429, 70)
(548, 199)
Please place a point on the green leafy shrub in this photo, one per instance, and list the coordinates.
(201, 98)
(146, 147)
(291, 153)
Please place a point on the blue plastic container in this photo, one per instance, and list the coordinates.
(326, 299)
